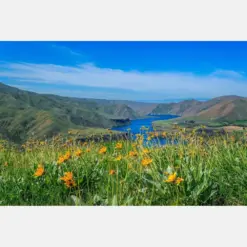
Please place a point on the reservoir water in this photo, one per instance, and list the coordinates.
(135, 126)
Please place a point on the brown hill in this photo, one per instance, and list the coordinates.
(225, 108)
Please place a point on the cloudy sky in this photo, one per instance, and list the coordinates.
(143, 71)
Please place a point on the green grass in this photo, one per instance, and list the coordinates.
(214, 172)
(26, 114)
(168, 124)
(241, 123)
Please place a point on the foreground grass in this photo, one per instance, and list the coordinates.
(197, 171)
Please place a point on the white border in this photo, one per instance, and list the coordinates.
(123, 226)
(122, 20)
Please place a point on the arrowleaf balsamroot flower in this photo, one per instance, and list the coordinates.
(133, 153)
(102, 150)
(119, 157)
(171, 178)
(68, 179)
(146, 162)
(40, 171)
(78, 153)
(60, 160)
(119, 145)
(146, 151)
(112, 172)
(67, 156)
(179, 180)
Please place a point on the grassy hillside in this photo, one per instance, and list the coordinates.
(25, 114)
(176, 108)
(141, 108)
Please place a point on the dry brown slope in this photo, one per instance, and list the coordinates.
(229, 109)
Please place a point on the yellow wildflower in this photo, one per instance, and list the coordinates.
(112, 172)
(6, 163)
(119, 145)
(67, 156)
(171, 178)
(133, 153)
(147, 161)
(88, 150)
(68, 179)
(40, 171)
(78, 153)
(146, 151)
(119, 158)
(179, 180)
(102, 150)
(60, 160)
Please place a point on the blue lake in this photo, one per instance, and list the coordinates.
(135, 127)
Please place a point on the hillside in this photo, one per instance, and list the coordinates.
(225, 108)
(215, 113)
(24, 114)
(181, 108)
(140, 108)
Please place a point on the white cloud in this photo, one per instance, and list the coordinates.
(66, 49)
(228, 73)
(152, 84)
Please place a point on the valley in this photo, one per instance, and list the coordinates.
(25, 114)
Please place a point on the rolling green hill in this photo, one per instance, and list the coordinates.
(24, 114)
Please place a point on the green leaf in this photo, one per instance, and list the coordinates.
(76, 200)
(114, 201)
(177, 162)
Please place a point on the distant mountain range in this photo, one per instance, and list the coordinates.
(24, 114)
(225, 108)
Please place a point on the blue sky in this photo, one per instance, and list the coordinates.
(142, 71)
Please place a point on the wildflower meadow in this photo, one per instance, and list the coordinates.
(190, 169)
